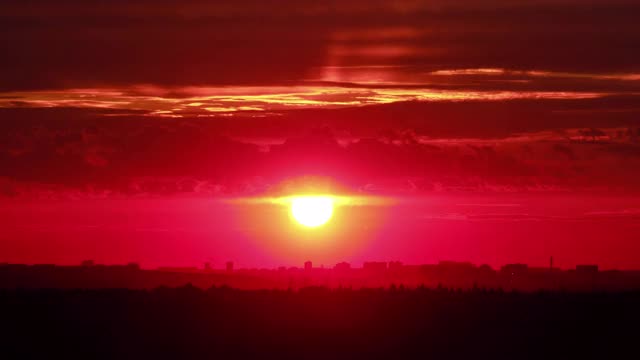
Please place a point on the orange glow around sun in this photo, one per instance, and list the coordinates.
(312, 211)
(310, 218)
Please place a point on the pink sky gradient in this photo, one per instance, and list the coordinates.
(508, 228)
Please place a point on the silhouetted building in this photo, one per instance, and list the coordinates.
(229, 266)
(44, 267)
(455, 269)
(395, 266)
(207, 266)
(87, 263)
(455, 265)
(342, 266)
(515, 269)
(308, 265)
(485, 268)
(374, 266)
(187, 269)
(586, 269)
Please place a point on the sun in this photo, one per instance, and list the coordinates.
(312, 211)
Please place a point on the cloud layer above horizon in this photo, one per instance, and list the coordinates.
(231, 97)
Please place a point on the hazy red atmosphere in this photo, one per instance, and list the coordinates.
(173, 133)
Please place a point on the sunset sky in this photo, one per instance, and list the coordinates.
(160, 131)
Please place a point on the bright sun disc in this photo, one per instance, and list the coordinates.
(312, 211)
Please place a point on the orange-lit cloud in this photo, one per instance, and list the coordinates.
(207, 101)
(538, 73)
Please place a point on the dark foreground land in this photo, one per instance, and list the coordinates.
(188, 322)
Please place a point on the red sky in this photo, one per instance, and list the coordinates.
(502, 132)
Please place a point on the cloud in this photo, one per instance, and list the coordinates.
(261, 101)
(185, 43)
(69, 150)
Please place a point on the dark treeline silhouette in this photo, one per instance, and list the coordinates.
(316, 322)
(463, 275)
